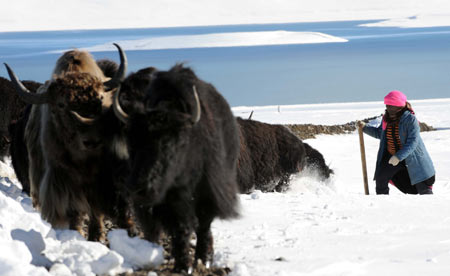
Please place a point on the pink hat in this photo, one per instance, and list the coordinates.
(395, 98)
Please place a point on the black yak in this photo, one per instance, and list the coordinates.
(18, 149)
(270, 154)
(184, 145)
(108, 67)
(11, 108)
(72, 172)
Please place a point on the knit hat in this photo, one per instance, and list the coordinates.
(395, 98)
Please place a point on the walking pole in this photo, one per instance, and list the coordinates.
(363, 159)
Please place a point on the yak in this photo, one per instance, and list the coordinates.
(18, 121)
(11, 108)
(270, 154)
(184, 144)
(18, 149)
(72, 172)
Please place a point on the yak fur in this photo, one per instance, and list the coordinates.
(183, 170)
(11, 109)
(72, 172)
(270, 154)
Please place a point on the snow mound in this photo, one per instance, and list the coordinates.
(85, 258)
(137, 252)
(309, 181)
(6, 169)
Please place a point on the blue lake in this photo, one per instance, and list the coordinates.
(373, 61)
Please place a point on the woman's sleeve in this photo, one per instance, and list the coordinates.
(375, 132)
(412, 138)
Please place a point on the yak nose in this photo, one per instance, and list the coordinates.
(91, 144)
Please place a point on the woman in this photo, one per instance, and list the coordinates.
(402, 157)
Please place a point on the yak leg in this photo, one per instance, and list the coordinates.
(96, 227)
(76, 222)
(180, 219)
(149, 222)
(125, 218)
(180, 247)
(204, 249)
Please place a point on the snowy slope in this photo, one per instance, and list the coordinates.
(316, 228)
(25, 15)
(220, 40)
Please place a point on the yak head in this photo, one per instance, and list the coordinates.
(75, 98)
(160, 129)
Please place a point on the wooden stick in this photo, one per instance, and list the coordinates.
(363, 159)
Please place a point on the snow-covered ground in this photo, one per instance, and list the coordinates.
(315, 228)
(25, 15)
(220, 40)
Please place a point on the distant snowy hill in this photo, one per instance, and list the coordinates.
(23, 15)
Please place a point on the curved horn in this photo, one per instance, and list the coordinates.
(198, 110)
(118, 111)
(121, 72)
(23, 92)
(83, 120)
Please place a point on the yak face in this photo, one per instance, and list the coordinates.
(157, 144)
(75, 97)
(160, 131)
(134, 88)
(75, 107)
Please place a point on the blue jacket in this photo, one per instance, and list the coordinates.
(418, 161)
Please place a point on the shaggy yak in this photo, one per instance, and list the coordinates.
(270, 154)
(11, 108)
(184, 145)
(18, 121)
(72, 171)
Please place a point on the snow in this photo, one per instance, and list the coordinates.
(416, 21)
(220, 40)
(29, 244)
(25, 15)
(315, 228)
(138, 253)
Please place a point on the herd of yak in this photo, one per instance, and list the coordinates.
(154, 151)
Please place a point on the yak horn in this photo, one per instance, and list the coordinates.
(118, 111)
(23, 92)
(121, 72)
(197, 113)
(83, 120)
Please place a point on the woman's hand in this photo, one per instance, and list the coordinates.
(360, 124)
(394, 160)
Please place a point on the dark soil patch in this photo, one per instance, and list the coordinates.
(309, 131)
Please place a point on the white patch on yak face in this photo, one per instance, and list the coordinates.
(120, 148)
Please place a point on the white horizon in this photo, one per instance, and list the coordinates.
(48, 15)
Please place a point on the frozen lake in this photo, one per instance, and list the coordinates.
(371, 63)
